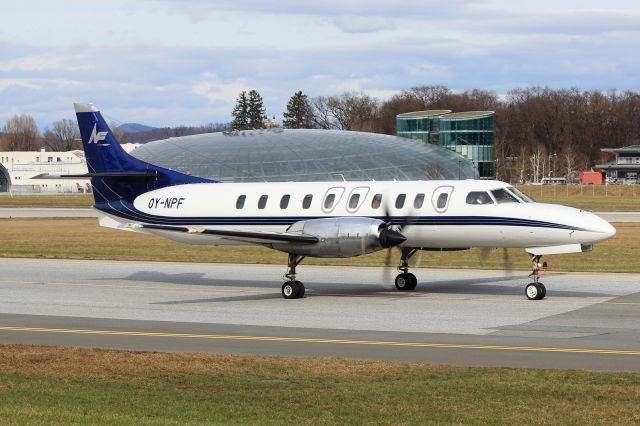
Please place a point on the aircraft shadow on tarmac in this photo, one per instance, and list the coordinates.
(481, 286)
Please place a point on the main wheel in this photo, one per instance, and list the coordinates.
(290, 290)
(535, 291)
(300, 289)
(404, 282)
(413, 282)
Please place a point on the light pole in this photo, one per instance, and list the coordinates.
(554, 163)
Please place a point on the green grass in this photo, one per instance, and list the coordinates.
(598, 198)
(84, 239)
(82, 386)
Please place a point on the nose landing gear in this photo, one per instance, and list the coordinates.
(535, 290)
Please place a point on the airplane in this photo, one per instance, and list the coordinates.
(327, 219)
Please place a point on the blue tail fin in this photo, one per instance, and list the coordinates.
(116, 175)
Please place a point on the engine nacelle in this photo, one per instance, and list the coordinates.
(342, 237)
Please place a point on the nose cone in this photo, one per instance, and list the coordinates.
(390, 238)
(603, 229)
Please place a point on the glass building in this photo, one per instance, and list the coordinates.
(470, 134)
(422, 125)
(277, 155)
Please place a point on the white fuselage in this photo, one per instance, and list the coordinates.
(441, 221)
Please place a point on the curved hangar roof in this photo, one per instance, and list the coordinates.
(278, 155)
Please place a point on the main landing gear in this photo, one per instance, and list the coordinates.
(536, 290)
(406, 281)
(292, 289)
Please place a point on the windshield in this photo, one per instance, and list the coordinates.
(520, 195)
(502, 196)
(479, 197)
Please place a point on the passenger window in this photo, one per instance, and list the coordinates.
(284, 201)
(376, 201)
(262, 202)
(442, 200)
(479, 197)
(503, 196)
(400, 201)
(240, 202)
(328, 202)
(417, 203)
(353, 201)
(306, 203)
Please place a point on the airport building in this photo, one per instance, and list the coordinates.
(625, 168)
(470, 134)
(307, 155)
(19, 171)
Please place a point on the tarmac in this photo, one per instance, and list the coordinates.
(461, 317)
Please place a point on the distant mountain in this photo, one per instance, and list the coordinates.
(134, 128)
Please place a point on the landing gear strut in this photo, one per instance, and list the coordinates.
(292, 289)
(406, 281)
(536, 290)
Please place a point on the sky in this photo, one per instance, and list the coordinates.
(174, 62)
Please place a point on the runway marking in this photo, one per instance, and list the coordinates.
(318, 340)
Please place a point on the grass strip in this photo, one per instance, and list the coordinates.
(89, 386)
(84, 239)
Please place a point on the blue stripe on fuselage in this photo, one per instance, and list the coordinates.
(127, 211)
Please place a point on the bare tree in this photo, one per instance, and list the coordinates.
(349, 111)
(21, 133)
(63, 136)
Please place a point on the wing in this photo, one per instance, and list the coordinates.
(245, 236)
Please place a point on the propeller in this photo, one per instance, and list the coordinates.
(507, 264)
(396, 235)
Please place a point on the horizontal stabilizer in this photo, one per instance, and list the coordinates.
(248, 236)
(131, 175)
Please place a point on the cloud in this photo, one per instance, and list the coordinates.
(364, 24)
(42, 62)
(214, 90)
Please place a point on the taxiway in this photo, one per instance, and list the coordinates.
(464, 317)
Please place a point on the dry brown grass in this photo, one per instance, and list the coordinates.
(84, 239)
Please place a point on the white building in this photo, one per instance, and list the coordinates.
(19, 168)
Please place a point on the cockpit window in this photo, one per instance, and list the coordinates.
(479, 197)
(502, 196)
(520, 195)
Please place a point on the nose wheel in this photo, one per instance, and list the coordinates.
(535, 290)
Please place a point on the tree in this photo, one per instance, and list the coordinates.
(21, 133)
(350, 111)
(241, 113)
(256, 111)
(298, 114)
(64, 136)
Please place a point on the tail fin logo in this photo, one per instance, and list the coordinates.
(97, 136)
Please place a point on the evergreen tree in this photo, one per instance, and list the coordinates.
(299, 114)
(241, 113)
(256, 111)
